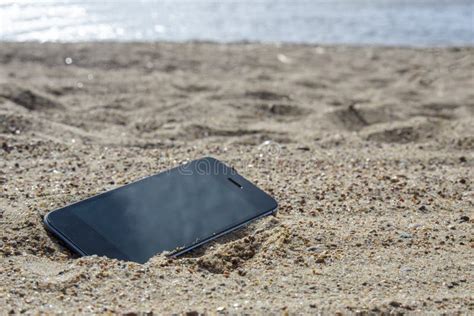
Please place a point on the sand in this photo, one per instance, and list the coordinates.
(368, 150)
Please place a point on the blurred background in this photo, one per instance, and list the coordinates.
(386, 22)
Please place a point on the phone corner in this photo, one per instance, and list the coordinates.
(210, 159)
(47, 222)
(274, 204)
(275, 209)
(46, 219)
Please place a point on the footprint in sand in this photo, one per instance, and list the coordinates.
(28, 98)
(413, 130)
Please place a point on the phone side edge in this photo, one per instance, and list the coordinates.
(69, 244)
(230, 230)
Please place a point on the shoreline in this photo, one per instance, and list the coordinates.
(246, 42)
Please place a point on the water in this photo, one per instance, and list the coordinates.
(387, 22)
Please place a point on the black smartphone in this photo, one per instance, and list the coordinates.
(175, 211)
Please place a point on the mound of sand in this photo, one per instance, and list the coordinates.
(369, 152)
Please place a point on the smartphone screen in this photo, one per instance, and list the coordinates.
(171, 211)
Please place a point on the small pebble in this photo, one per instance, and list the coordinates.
(405, 235)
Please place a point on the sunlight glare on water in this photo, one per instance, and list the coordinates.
(391, 22)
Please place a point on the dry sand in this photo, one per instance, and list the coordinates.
(368, 150)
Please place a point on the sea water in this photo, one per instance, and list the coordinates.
(386, 22)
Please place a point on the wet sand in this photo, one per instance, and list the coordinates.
(368, 150)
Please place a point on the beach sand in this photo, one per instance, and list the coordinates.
(368, 150)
